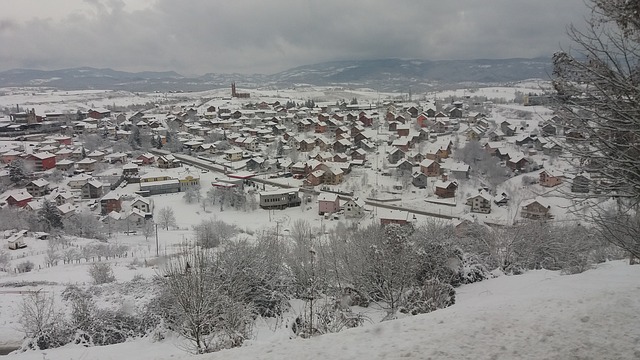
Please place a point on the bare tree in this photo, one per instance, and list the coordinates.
(38, 316)
(4, 260)
(166, 217)
(204, 310)
(211, 233)
(596, 84)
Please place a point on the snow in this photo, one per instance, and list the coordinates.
(538, 315)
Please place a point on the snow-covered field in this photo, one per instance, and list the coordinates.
(537, 315)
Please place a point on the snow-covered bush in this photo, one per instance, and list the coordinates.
(25, 266)
(101, 273)
(42, 323)
(431, 296)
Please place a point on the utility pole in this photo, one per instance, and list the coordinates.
(157, 243)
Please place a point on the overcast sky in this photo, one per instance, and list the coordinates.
(267, 36)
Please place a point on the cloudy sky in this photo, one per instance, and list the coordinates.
(267, 36)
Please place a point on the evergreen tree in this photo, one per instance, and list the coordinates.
(18, 173)
(159, 142)
(49, 216)
(135, 140)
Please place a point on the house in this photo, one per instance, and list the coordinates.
(333, 174)
(436, 151)
(96, 155)
(19, 199)
(402, 143)
(455, 113)
(117, 157)
(524, 139)
(549, 178)
(130, 170)
(136, 218)
(474, 133)
(328, 203)
(92, 189)
(233, 154)
(548, 129)
(581, 183)
(188, 181)
(168, 162)
(480, 203)
(112, 201)
(64, 153)
(359, 154)
(86, 164)
(98, 113)
(404, 166)
(42, 161)
(535, 210)
(10, 156)
(78, 181)
(440, 126)
(38, 187)
(501, 200)
(507, 128)
(394, 217)
(420, 180)
(143, 204)
(340, 158)
(552, 148)
(146, 159)
(430, 167)
(255, 163)
(354, 208)
(65, 165)
(517, 163)
(445, 189)
(279, 199)
(342, 145)
(63, 198)
(66, 210)
(315, 178)
(459, 171)
(16, 240)
(154, 187)
(395, 155)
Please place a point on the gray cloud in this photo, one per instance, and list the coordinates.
(198, 36)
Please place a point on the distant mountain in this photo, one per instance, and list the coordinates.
(385, 74)
(83, 78)
(396, 73)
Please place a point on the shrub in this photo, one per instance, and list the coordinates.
(25, 266)
(101, 273)
(431, 296)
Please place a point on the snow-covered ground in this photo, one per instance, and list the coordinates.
(537, 315)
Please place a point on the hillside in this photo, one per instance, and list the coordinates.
(382, 75)
(538, 315)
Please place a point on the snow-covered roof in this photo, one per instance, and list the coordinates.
(326, 196)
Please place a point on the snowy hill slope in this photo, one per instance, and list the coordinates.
(538, 315)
